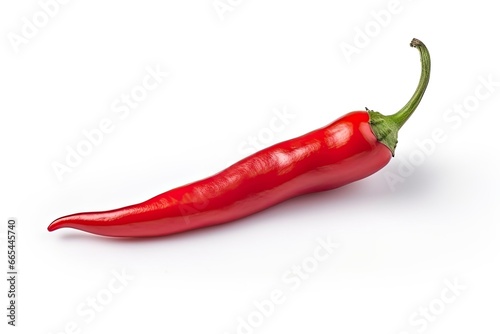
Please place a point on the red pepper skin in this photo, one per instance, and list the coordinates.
(332, 156)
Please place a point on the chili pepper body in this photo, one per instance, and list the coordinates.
(349, 149)
(337, 154)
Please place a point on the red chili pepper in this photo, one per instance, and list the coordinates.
(349, 149)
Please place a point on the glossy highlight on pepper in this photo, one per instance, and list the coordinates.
(346, 150)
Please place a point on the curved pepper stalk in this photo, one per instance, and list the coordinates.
(386, 128)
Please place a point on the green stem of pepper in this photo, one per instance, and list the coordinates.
(386, 128)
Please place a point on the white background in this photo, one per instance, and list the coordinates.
(228, 73)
